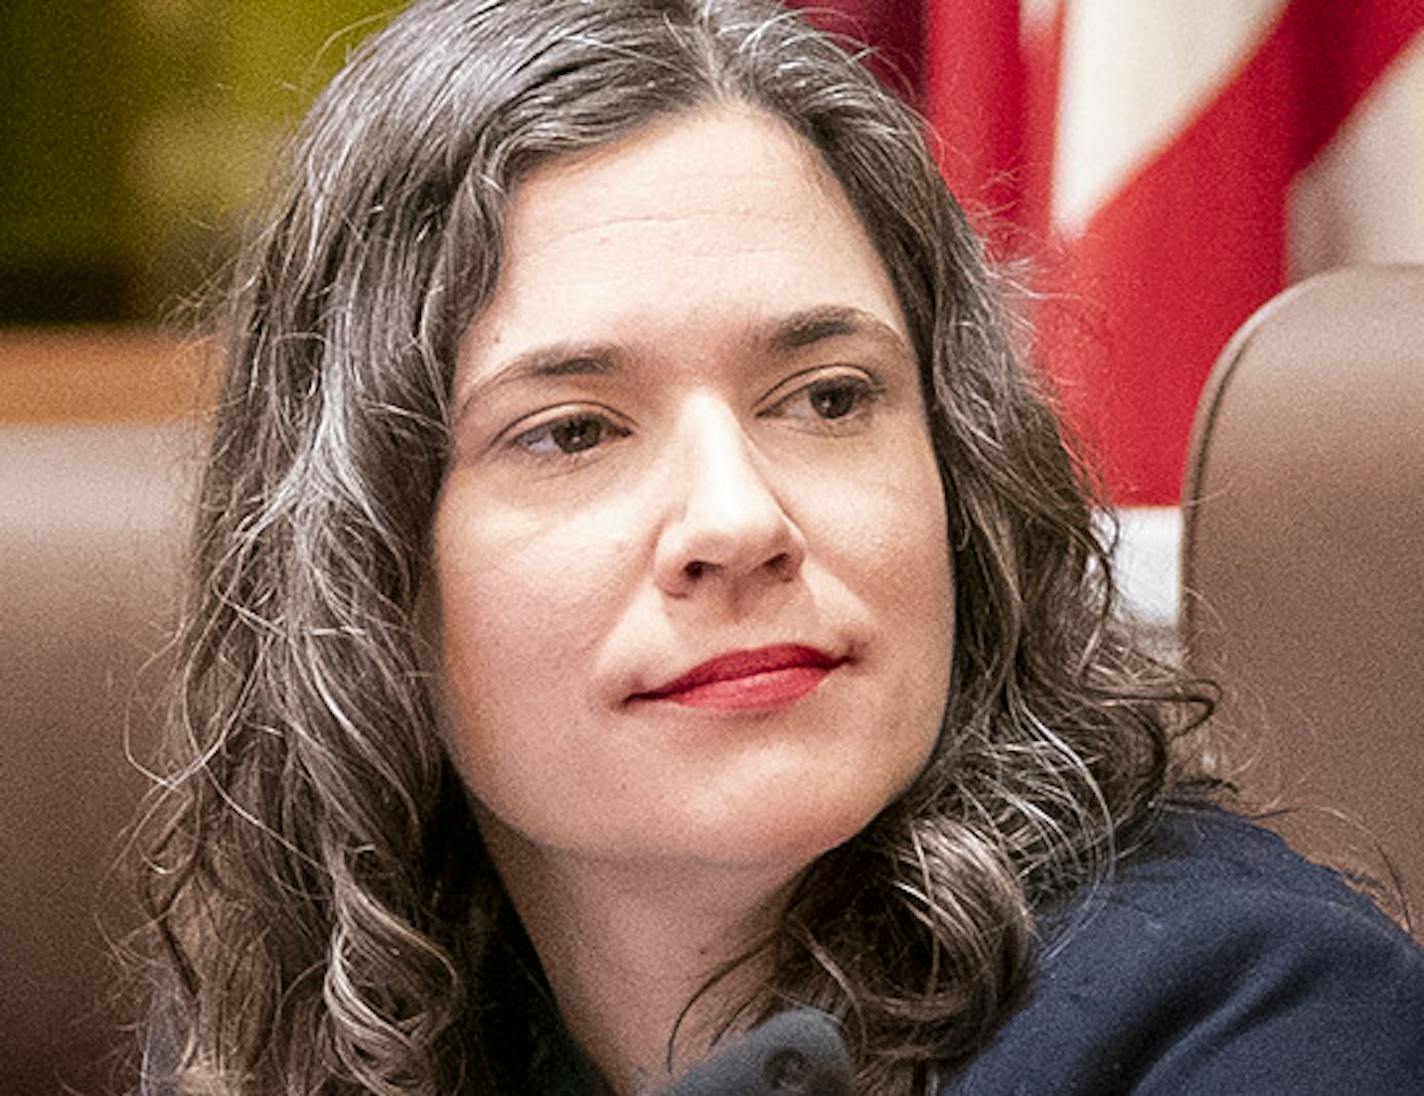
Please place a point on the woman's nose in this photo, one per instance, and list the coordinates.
(725, 526)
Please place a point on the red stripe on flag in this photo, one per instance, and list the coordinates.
(1174, 263)
(974, 95)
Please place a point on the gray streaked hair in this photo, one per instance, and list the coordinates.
(318, 886)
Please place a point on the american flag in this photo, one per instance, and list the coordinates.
(1165, 166)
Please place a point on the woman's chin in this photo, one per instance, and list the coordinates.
(775, 844)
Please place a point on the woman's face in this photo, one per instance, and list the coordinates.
(690, 553)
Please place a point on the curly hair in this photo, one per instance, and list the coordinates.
(318, 885)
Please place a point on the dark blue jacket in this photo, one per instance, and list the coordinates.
(1216, 962)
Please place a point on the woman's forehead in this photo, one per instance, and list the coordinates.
(723, 218)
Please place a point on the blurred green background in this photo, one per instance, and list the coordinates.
(133, 134)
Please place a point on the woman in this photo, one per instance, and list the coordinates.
(637, 591)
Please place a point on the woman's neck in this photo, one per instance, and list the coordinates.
(626, 948)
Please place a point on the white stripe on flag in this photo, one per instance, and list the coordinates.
(1134, 73)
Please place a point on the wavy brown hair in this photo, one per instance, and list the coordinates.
(318, 887)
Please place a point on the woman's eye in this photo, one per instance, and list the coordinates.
(829, 403)
(569, 436)
(835, 399)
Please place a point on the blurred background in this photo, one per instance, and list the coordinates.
(134, 132)
(134, 135)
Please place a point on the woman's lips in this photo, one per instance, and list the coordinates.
(768, 677)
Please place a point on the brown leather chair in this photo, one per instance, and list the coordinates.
(91, 525)
(1303, 566)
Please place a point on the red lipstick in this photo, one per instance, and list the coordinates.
(765, 678)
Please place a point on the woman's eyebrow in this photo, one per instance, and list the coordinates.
(564, 359)
(809, 326)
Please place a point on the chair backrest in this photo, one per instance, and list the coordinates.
(91, 527)
(1303, 565)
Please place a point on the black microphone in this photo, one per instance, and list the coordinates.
(798, 1053)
